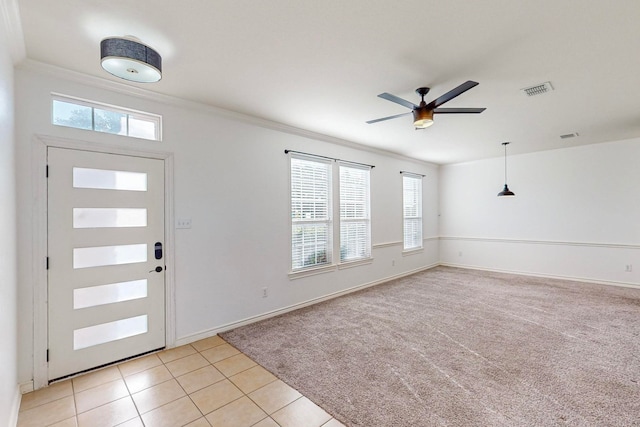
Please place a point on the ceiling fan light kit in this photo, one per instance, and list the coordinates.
(422, 118)
(130, 60)
(423, 113)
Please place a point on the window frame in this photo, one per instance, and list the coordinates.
(366, 210)
(328, 220)
(418, 218)
(335, 222)
(94, 105)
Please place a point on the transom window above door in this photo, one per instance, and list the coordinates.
(88, 115)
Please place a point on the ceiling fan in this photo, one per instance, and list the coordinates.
(423, 113)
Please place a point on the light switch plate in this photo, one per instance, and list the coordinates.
(183, 223)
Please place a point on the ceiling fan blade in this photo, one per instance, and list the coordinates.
(451, 94)
(397, 100)
(458, 110)
(387, 118)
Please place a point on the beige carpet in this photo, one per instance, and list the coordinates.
(455, 347)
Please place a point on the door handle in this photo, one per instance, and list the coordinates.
(158, 269)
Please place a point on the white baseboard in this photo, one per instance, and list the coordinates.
(223, 328)
(15, 408)
(26, 387)
(548, 276)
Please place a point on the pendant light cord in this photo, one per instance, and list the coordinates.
(505, 164)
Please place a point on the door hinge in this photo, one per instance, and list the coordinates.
(47, 263)
(47, 355)
(47, 172)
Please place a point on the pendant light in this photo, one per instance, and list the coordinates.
(131, 60)
(505, 191)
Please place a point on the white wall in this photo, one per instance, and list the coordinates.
(9, 396)
(576, 213)
(231, 179)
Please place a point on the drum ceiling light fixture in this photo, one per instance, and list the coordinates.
(131, 60)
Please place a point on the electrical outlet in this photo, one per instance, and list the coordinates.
(393, 262)
(628, 268)
(460, 253)
(183, 223)
(265, 292)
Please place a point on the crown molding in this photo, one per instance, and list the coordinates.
(125, 89)
(13, 29)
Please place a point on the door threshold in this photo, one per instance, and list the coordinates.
(86, 371)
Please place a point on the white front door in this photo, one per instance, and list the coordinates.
(106, 280)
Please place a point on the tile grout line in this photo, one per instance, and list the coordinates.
(77, 414)
(185, 391)
(228, 377)
(199, 352)
(243, 393)
(75, 403)
(131, 394)
(276, 379)
(225, 377)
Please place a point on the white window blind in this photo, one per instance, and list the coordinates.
(355, 219)
(412, 210)
(311, 242)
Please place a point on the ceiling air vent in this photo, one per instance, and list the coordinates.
(538, 89)
(569, 135)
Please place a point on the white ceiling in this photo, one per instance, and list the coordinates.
(320, 64)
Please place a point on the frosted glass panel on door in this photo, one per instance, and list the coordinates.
(109, 255)
(107, 332)
(109, 180)
(108, 294)
(109, 217)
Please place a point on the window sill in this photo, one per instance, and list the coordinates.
(414, 251)
(328, 268)
(356, 263)
(312, 271)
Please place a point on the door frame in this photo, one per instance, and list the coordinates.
(40, 144)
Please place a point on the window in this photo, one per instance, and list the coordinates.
(412, 210)
(315, 237)
(311, 225)
(97, 117)
(355, 224)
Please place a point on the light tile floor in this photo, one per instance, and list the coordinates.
(208, 383)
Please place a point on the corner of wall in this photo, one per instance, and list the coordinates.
(15, 407)
(10, 396)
